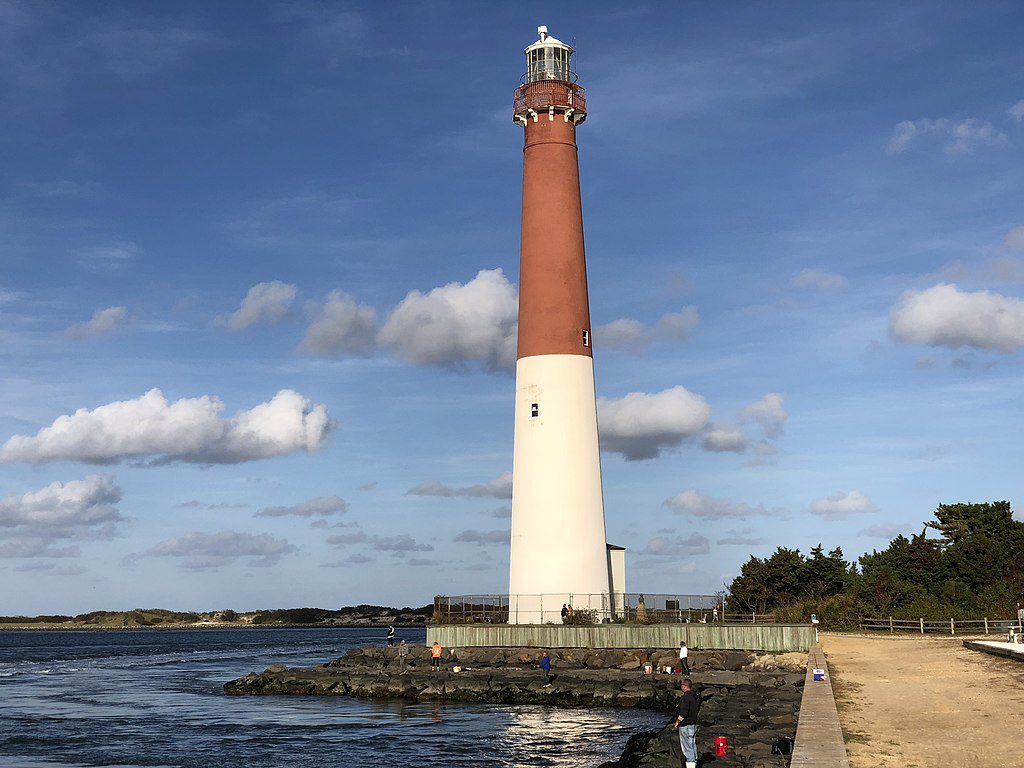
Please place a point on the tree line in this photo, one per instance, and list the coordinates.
(966, 563)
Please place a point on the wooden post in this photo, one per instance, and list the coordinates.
(986, 625)
(890, 625)
(952, 629)
(922, 626)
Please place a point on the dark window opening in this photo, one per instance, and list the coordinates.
(534, 410)
(586, 338)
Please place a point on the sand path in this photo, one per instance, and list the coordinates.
(924, 702)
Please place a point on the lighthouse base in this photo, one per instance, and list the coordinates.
(559, 553)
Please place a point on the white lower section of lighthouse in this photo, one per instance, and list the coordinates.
(559, 552)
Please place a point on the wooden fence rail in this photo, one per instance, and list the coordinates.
(952, 626)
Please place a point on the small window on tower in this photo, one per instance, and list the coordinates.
(534, 410)
(586, 338)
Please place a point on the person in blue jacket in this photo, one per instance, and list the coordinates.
(545, 664)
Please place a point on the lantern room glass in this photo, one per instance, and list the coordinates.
(548, 62)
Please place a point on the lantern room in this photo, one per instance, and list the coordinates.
(548, 59)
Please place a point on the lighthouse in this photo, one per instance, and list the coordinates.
(559, 552)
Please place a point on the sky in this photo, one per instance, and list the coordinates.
(258, 268)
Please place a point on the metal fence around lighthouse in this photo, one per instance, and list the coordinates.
(606, 607)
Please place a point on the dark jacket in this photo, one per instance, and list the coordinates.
(688, 708)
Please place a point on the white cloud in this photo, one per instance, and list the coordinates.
(189, 430)
(344, 539)
(664, 546)
(959, 137)
(483, 538)
(341, 326)
(692, 502)
(885, 531)
(103, 321)
(109, 258)
(742, 537)
(840, 505)
(206, 551)
(1002, 269)
(1017, 111)
(629, 334)
(348, 562)
(32, 523)
(498, 488)
(770, 413)
(642, 425)
(321, 506)
(265, 302)
(1014, 240)
(456, 324)
(402, 543)
(945, 316)
(724, 437)
(818, 279)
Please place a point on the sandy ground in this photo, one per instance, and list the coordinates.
(921, 702)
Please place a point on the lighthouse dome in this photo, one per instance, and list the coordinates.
(548, 59)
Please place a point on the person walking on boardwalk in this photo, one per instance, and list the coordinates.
(684, 654)
(545, 664)
(714, 614)
(686, 722)
(391, 636)
(435, 656)
(565, 612)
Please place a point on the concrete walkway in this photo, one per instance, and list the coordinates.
(819, 739)
(997, 648)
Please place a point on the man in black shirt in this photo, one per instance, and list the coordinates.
(686, 722)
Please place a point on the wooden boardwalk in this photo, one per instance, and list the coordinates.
(996, 648)
(819, 738)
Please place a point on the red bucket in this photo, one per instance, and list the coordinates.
(721, 745)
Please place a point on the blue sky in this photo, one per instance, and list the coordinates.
(806, 254)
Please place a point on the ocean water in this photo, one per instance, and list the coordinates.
(154, 698)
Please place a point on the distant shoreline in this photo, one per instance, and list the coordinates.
(37, 627)
(364, 616)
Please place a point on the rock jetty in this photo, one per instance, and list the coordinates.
(753, 700)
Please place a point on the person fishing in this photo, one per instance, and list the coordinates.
(403, 655)
(435, 656)
(686, 722)
(545, 664)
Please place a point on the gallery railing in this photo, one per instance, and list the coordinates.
(599, 608)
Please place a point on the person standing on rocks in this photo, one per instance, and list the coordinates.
(684, 654)
(435, 656)
(403, 654)
(686, 722)
(391, 636)
(545, 664)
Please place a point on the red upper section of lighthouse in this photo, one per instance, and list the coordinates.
(554, 310)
